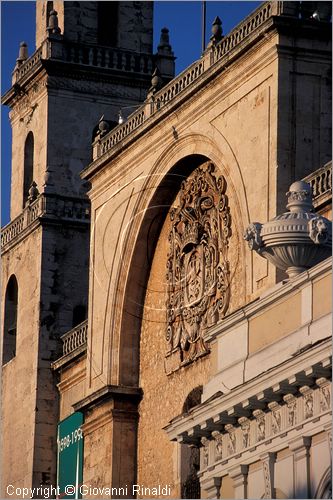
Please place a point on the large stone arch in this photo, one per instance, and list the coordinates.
(324, 489)
(162, 184)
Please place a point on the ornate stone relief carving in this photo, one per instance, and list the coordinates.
(276, 416)
(308, 401)
(268, 460)
(218, 444)
(318, 230)
(261, 424)
(232, 439)
(245, 426)
(205, 451)
(291, 405)
(197, 265)
(324, 393)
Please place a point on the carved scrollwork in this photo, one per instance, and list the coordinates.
(197, 264)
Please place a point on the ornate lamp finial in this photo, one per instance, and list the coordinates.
(23, 53)
(164, 40)
(103, 126)
(33, 192)
(53, 26)
(216, 30)
(156, 80)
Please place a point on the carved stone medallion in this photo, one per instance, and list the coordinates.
(197, 265)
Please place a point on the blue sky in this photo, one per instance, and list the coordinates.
(183, 18)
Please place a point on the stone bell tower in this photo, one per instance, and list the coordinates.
(91, 59)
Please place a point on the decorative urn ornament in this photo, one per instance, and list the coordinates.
(295, 240)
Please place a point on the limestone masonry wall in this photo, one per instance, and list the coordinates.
(19, 375)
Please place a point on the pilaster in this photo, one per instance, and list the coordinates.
(268, 463)
(300, 448)
(239, 476)
(212, 487)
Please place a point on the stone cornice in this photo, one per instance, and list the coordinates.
(274, 444)
(107, 417)
(69, 359)
(268, 387)
(108, 392)
(72, 380)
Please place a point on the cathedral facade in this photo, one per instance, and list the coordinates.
(166, 319)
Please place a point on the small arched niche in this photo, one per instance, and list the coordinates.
(28, 166)
(10, 320)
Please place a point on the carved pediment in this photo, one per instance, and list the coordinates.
(197, 264)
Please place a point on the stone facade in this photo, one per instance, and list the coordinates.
(200, 368)
(58, 96)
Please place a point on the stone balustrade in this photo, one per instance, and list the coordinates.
(133, 122)
(243, 30)
(86, 55)
(321, 182)
(121, 60)
(46, 206)
(28, 65)
(12, 229)
(215, 54)
(109, 58)
(179, 84)
(26, 218)
(184, 80)
(75, 338)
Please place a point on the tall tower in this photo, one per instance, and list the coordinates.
(91, 59)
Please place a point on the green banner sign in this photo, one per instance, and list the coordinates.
(70, 456)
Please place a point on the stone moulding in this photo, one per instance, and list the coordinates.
(197, 265)
(295, 240)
